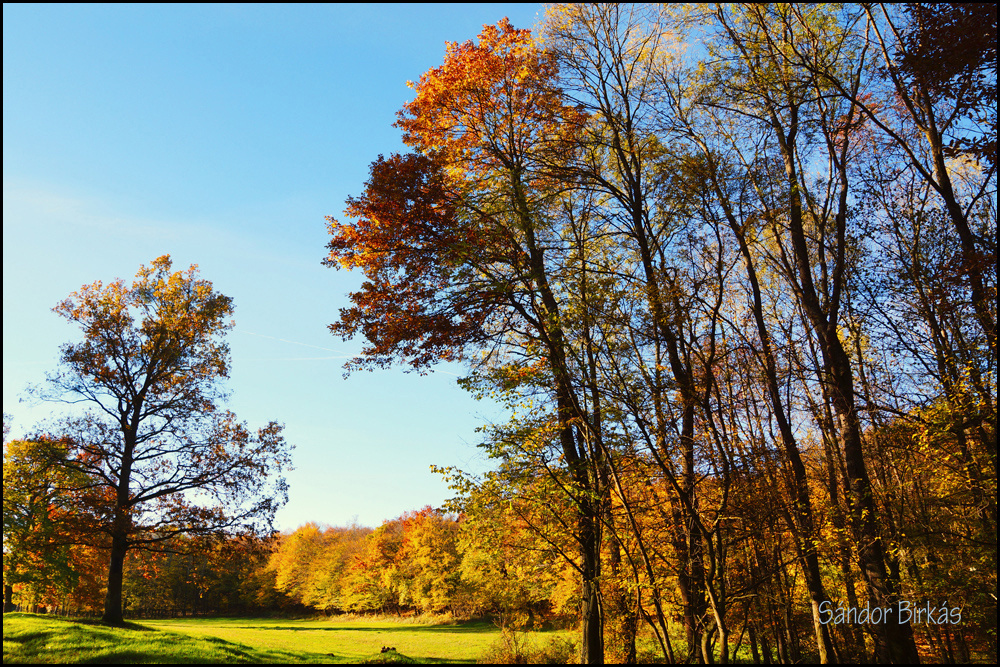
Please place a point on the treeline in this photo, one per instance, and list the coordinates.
(423, 562)
(49, 568)
(733, 269)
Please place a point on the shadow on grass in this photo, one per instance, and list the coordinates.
(28, 637)
(97, 623)
(394, 658)
(467, 627)
(66, 640)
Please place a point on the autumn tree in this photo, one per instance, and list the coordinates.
(36, 557)
(458, 241)
(430, 560)
(157, 456)
(511, 565)
(519, 541)
(372, 579)
(311, 564)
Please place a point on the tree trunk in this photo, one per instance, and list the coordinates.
(590, 609)
(578, 461)
(895, 640)
(897, 643)
(113, 612)
(802, 523)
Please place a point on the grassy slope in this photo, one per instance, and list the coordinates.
(42, 639)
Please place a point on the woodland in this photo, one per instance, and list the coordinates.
(732, 271)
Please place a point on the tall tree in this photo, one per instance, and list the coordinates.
(157, 456)
(932, 103)
(609, 54)
(810, 223)
(460, 242)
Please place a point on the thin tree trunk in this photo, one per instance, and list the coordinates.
(802, 523)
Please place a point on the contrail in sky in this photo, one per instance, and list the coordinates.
(318, 347)
(295, 342)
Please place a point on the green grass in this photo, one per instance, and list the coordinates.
(348, 640)
(29, 638)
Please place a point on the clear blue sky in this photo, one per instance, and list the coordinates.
(223, 135)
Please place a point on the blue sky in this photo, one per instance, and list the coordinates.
(223, 135)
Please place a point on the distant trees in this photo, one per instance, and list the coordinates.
(412, 562)
(205, 575)
(154, 457)
(310, 564)
(37, 557)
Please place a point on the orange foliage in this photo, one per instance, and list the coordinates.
(433, 233)
(492, 107)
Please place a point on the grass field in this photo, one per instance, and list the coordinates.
(29, 638)
(348, 641)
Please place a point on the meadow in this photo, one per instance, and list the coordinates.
(29, 638)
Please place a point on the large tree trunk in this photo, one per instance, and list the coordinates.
(121, 527)
(579, 461)
(113, 612)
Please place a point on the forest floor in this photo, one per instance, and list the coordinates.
(29, 638)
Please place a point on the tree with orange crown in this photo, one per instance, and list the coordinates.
(155, 457)
(456, 242)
